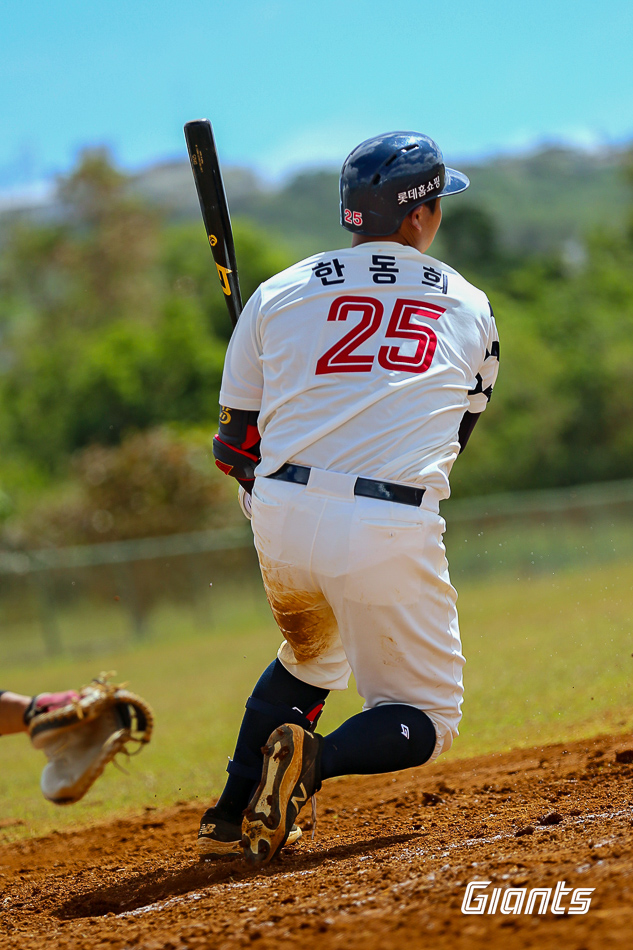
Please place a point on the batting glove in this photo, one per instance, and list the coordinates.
(245, 501)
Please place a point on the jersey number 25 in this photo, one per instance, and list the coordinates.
(341, 357)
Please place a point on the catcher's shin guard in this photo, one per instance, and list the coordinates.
(290, 776)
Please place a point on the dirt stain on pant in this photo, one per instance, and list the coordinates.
(304, 617)
(392, 656)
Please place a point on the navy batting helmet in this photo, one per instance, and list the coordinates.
(388, 176)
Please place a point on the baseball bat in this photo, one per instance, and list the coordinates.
(207, 175)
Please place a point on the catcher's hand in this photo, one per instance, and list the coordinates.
(80, 738)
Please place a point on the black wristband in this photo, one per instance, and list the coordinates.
(29, 712)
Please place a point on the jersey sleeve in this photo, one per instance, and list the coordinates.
(243, 378)
(479, 395)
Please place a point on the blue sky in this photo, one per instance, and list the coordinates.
(288, 84)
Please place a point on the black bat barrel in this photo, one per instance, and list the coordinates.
(207, 175)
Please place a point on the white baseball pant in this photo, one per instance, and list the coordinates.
(361, 585)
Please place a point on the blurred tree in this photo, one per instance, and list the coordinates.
(470, 240)
(97, 263)
(628, 177)
(110, 320)
(304, 213)
(188, 269)
(562, 411)
(155, 483)
(96, 386)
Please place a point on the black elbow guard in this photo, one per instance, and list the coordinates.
(234, 461)
(236, 446)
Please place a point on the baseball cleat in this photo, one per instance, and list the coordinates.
(218, 837)
(290, 776)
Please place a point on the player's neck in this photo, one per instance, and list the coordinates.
(396, 238)
(406, 237)
(420, 246)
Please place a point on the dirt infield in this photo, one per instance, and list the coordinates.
(388, 867)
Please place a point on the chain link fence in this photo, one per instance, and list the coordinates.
(90, 598)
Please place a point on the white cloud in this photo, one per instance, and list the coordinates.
(525, 141)
(27, 196)
(322, 145)
(328, 144)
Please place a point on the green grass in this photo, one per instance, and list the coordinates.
(549, 658)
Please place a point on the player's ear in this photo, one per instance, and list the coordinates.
(427, 214)
(418, 216)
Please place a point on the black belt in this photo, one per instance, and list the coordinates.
(369, 487)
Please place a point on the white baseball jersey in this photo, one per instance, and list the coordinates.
(363, 361)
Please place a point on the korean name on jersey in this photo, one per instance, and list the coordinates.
(363, 361)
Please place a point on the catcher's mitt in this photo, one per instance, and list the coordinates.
(80, 738)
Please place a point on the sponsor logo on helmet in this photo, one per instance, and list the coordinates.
(353, 217)
(422, 191)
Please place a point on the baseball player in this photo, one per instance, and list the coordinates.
(351, 383)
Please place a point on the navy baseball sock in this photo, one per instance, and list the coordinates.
(278, 697)
(383, 739)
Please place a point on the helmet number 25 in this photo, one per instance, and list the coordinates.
(403, 325)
